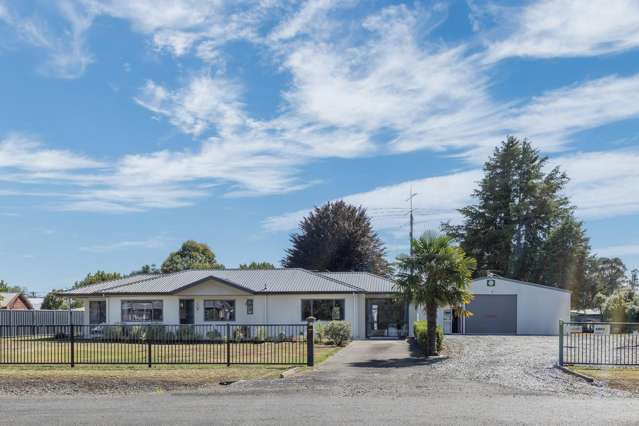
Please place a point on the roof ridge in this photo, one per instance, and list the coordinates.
(333, 279)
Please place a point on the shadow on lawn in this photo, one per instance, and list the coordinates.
(416, 358)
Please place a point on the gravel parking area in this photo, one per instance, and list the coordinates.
(487, 365)
(523, 363)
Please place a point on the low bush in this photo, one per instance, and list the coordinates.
(319, 334)
(339, 332)
(420, 330)
(187, 333)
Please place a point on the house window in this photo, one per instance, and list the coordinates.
(219, 310)
(323, 309)
(97, 312)
(249, 306)
(142, 310)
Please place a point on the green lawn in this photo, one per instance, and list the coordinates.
(27, 350)
(619, 378)
(26, 379)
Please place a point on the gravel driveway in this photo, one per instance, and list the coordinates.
(521, 365)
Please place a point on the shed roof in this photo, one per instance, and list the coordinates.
(258, 281)
(545, 287)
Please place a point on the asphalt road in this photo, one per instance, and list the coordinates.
(367, 383)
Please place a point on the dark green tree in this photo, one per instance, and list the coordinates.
(192, 255)
(564, 256)
(612, 272)
(518, 206)
(97, 277)
(257, 265)
(337, 237)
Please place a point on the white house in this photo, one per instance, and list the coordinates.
(276, 296)
(289, 296)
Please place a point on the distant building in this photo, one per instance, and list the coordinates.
(585, 315)
(15, 302)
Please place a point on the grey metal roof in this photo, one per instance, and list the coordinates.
(99, 288)
(264, 281)
(546, 287)
(368, 282)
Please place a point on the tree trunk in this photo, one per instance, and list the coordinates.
(431, 318)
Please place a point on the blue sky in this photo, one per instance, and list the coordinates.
(129, 127)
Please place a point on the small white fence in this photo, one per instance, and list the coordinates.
(40, 317)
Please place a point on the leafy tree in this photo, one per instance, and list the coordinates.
(146, 269)
(613, 274)
(518, 207)
(257, 265)
(6, 288)
(337, 237)
(622, 305)
(97, 277)
(192, 255)
(437, 274)
(54, 301)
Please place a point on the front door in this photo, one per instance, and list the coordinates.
(385, 318)
(187, 314)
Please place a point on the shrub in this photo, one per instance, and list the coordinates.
(112, 332)
(338, 331)
(420, 330)
(260, 334)
(319, 334)
(214, 335)
(187, 332)
(155, 333)
(238, 334)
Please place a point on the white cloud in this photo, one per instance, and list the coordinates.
(306, 18)
(565, 28)
(603, 184)
(203, 102)
(25, 153)
(67, 54)
(150, 243)
(437, 200)
(618, 251)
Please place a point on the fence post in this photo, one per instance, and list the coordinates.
(72, 338)
(561, 342)
(228, 344)
(310, 343)
(149, 359)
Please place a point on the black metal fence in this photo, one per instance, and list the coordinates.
(228, 344)
(599, 343)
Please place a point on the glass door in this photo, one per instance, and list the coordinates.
(187, 314)
(385, 318)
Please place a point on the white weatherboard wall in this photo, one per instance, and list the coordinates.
(539, 308)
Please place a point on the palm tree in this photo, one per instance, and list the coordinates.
(436, 274)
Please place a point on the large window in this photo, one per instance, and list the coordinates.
(97, 312)
(323, 309)
(219, 310)
(142, 310)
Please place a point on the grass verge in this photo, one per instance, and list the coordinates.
(122, 379)
(626, 379)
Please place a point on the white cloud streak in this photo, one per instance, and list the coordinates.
(150, 243)
(566, 28)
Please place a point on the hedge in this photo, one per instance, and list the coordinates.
(421, 335)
